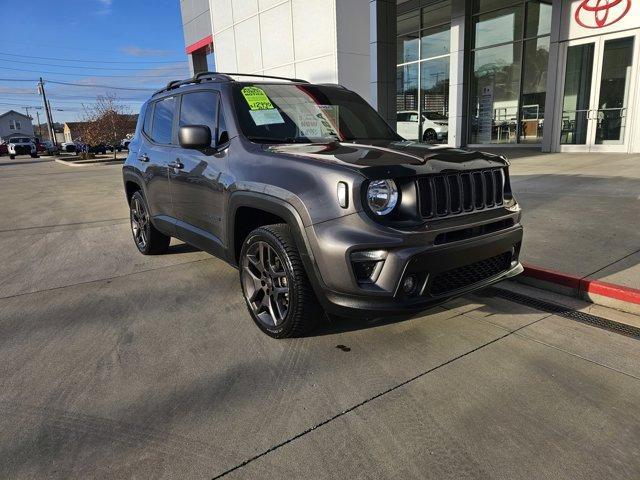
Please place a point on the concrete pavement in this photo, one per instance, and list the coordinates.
(581, 213)
(114, 365)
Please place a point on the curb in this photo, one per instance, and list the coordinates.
(90, 163)
(611, 295)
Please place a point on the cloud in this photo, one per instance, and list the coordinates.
(145, 52)
(104, 7)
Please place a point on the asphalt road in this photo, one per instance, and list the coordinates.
(115, 365)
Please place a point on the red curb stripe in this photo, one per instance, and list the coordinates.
(199, 44)
(610, 290)
(551, 276)
(584, 285)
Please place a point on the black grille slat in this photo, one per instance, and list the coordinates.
(489, 188)
(478, 190)
(499, 186)
(467, 275)
(440, 188)
(467, 192)
(455, 193)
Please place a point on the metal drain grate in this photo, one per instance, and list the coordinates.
(562, 311)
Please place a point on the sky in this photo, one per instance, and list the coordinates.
(125, 47)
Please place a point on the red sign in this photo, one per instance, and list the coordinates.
(601, 13)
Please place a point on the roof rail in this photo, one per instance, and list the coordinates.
(206, 74)
(219, 76)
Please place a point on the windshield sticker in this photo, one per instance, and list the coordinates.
(256, 98)
(266, 117)
(313, 123)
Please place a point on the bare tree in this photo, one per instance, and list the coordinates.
(107, 121)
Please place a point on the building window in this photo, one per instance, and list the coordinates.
(422, 74)
(510, 57)
(14, 125)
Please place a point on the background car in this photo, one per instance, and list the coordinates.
(435, 126)
(21, 146)
(68, 147)
(4, 150)
(49, 147)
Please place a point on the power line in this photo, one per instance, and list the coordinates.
(79, 84)
(94, 61)
(165, 75)
(101, 86)
(76, 66)
(50, 45)
(18, 80)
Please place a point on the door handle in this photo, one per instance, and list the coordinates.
(177, 164)
(144, 157)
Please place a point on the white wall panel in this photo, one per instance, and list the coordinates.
(221, 14)
(262, 4)
(248, 49)
(277, 39)
(354, 73)
(224, 45)
(243, 9)
(314, 28)
(318, 70)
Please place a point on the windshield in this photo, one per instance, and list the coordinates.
(20, 140)
(435, 116)
(292, 113)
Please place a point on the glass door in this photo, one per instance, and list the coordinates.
(597, 91)
(613, 92)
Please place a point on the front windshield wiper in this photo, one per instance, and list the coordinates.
(272, 139)
(290, 140)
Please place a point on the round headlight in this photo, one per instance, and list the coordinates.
(382, 196)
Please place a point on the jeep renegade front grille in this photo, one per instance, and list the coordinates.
(450, 194)
(467, 275)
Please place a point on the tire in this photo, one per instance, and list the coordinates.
(147, 238)
(430, 136)
(34, 155)
(12, 157)
(295, 307)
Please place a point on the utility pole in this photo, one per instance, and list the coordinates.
(39, 126)
(52, 134)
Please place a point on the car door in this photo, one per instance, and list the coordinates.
(196, 180)
(156, 151)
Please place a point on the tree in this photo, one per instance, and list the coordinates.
(107, 121)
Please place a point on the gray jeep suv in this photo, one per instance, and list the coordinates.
(320, 205)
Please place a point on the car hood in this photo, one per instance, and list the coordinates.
(395, 159)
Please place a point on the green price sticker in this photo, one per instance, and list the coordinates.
(256, 98)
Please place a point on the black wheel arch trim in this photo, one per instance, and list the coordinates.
(286, 211)
(130, 175)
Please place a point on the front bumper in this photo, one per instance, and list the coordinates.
(440, 271)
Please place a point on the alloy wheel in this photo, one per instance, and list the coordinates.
(266, 284)
(139, 223)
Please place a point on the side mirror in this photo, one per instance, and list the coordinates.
(195, 136)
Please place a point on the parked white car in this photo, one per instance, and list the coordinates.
(435, 126)
(68, 147)
(21, 146)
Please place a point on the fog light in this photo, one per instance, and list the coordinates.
(409, 284)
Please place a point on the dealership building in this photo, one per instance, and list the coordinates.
(559, 75)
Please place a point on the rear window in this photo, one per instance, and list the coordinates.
(163, 112)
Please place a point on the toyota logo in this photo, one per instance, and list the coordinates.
(601, 13)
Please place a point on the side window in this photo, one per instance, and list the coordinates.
(148, 115)
(413, 117)
(223, 134)
(402, 117)
(200, 108)
(163, 120)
